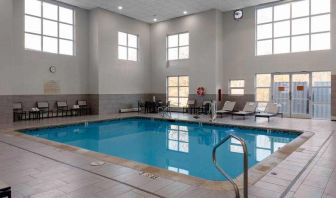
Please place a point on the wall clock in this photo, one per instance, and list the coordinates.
(238, 14)
(52, 69)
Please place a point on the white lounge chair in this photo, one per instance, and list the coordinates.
(249, 109)
(227, 108)
(272, 110)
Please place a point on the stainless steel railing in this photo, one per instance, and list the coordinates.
(218, 167)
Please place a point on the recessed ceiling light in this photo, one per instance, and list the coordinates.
(155, 19)
(185, 12)
(120, 7)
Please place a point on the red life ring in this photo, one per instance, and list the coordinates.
(200, 91)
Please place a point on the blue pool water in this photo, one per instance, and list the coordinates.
(177, 146)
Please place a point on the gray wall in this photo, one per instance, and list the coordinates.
(202, 64)
(118, 83)
(240, 61)
(220, 49)
(119, 76)
(23, 72)
(26, 71)
(6, 45)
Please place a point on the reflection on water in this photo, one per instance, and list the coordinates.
(259, 146)
(178, 138)
(178, 170)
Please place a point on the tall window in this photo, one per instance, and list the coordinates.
(298, 26)
(237, 87)
(127, 46)
(178, 90)
(178, 46)
(263, 90)
(49, 27)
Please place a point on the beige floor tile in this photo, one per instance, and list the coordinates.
(270, 186)
(49, 194)
(308, 192)
(331, 188)
(264, 193)
(316, 181)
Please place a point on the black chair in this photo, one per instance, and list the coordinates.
(18, 113)
(84, 108)
(205, 108)
(141, 105)
(44, 109)
(152, 107)
(5, 190)
(191, 106)
(62, 108)
(165, 109)
(148, 107)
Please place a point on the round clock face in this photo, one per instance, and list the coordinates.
(52, 69)
(238, 14)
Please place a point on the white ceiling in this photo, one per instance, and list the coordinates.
(145, 10)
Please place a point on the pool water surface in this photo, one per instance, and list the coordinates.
(176, 146)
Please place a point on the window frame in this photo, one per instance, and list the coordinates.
(178, 89)
(263, 87)
(291, 35)
(42, 35)
(178, 46)
(236, 88)
(128, 47)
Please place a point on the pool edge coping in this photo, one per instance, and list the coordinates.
(256, 172)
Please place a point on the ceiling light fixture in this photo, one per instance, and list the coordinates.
(185, 12)
(120, 7)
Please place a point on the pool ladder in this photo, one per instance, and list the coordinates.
(220, 169)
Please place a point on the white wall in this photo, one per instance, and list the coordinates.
(240, 61)
(220, 49)
(118, 76)
(201, 66)
(6, 12)
(24, 72)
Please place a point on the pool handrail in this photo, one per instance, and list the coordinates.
(245, 152)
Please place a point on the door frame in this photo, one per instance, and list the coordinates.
(309, 98)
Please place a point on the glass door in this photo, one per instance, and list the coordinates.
(292, 92)
(300, 95)
(281, 92)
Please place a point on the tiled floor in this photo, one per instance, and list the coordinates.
(37, 170)
(319, 179)
(32, 175)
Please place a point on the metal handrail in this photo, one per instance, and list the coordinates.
(214, 160)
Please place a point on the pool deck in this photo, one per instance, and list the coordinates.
(38, 169)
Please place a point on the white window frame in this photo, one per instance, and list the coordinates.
(178, 46)
(178, 89)
(236, 88)
(129, 47)
(58, 4)
(290, 36)
(260, 103)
